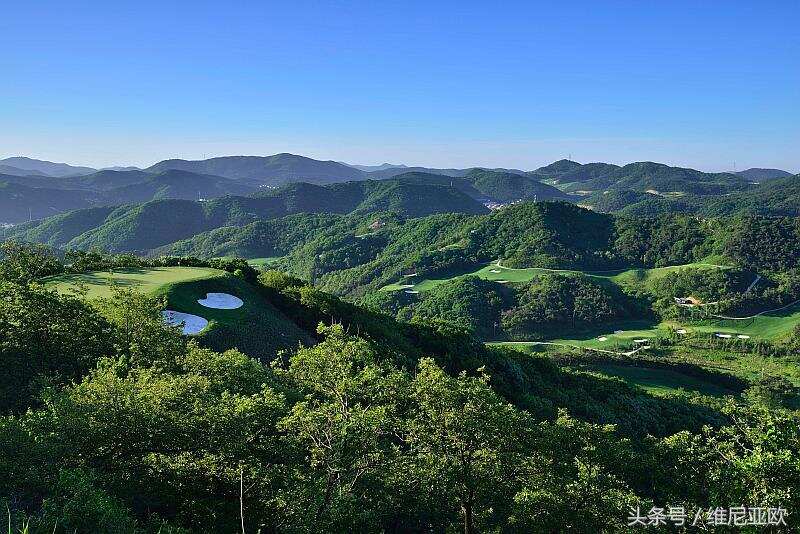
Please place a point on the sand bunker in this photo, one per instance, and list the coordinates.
(681, 331)
(495, 271)
(221, 301)
(724, 336)
(192, 324)
(602, 338)
(743, 336)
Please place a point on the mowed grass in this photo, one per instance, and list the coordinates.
(659, 380)
(498, 273)
(150, 281)
(256, 328)
(262, 262)
(770, 326)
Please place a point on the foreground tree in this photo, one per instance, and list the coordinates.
(468, 444)
(23, 263)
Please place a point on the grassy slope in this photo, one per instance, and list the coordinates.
(256, 328)
(769, 326)
(660, 381)
(99, 284)
(495, 272)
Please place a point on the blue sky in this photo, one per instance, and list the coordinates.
(700, 84)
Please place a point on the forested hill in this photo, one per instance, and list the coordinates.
(643, 176)
(114, 422)
(759, 175)
(37, 197)
(267, 170)
(778, 197)
(160, 222)
(48, 168)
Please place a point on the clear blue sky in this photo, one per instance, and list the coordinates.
(701, 84)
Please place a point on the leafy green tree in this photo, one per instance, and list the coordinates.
(141, 337)
(23, 262)
(468, 445)
(45, 339)
(346, 426)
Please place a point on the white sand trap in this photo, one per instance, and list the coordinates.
(495, 271)
(724, 336)
(412, 292)
(618, 332)
(640, 341)
(681, 331)
(602, 338)
(192, 324)
(742, 336)
(221, 301)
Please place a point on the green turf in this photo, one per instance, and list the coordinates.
(99, 284)
(770, 326)
(262, 262)
(659, 380)
(256, 328)
(498, 273)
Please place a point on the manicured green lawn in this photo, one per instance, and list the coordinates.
(262, 262)
(499, 273)
(257, 327)
(99, 284)
(770, 326)
(658, 380)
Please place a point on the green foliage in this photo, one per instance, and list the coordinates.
(556, 302)
(707, 285)
(22, 263)
(509, 187)
(361, 432)
(470, 302)
(45, 338)
(764, 243)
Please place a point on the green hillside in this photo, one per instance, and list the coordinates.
(778, 197)
(20, 203)
(59, 230)
(256, 328)
(275, 237)
(179, 185)
(270, 170)
(509, 187)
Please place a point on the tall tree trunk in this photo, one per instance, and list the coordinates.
(466, 509)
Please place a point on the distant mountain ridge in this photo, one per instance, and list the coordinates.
(757, 174)
(45, 167)
(266, 170)
(159, 222)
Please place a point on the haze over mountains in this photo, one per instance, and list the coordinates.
(34, 189)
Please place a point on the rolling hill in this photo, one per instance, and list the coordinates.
(176, 184)
(778, 198)
(160, 222)
(37, 197)
(266, 170)
(509, 187)
(758, 175)
(14, 171)
(48, 168)
(19, 203)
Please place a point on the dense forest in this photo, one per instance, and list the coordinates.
(114, 422)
